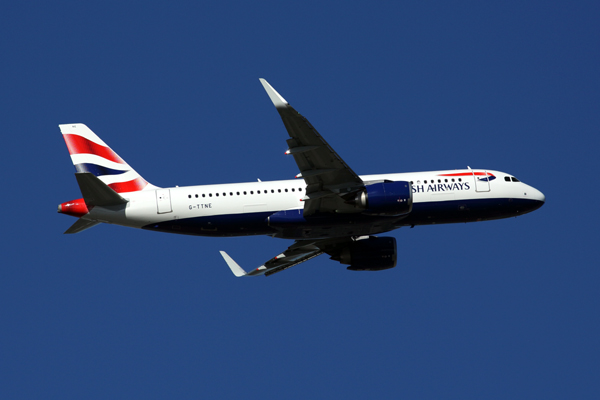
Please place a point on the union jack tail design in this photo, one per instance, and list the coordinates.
(90, 154)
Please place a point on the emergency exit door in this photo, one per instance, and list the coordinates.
(482, 181)
(163, 201)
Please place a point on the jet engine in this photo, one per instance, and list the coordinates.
(386, 198)
(370, 254)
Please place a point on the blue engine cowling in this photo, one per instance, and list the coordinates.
(386, 198)
(372, 254)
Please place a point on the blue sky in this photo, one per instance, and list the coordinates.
(503, 309)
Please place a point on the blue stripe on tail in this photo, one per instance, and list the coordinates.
(97, 170)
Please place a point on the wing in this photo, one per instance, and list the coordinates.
(327, 176)
(300, 251)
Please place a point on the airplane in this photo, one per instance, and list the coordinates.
(331, 210)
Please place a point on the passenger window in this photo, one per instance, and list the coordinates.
(286, 190)
(300, 189)
(217, 194)
(210, 195)
(279, 190)
(460, 179)
(189, 196)
(425, 181)
(272, 191)
(293, 190)
(244, 193)
(238, 193)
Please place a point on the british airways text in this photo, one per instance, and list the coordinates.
(440, 187)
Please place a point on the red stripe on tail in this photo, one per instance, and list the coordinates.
(131, 186)
(80, 145)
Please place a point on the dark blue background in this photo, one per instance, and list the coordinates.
(504, 309)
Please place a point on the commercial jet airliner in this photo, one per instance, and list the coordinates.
(330, 210)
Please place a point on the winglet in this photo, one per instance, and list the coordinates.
(235, 268)
(278, 101)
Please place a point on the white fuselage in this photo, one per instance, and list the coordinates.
(239, 209)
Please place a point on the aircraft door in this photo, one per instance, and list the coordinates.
(163, 201)
(482, 181)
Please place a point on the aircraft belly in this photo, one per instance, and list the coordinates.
(332, 231)
(330, 225)
(327, 225)
(468, 210)
(246, 224)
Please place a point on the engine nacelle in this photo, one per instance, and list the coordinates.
(372, 254)
(386, 198)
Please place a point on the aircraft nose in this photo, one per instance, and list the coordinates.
(539, 196)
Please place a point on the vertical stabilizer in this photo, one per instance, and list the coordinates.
(90, 154)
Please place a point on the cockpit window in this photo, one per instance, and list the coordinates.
(514, 179)
(507, 178)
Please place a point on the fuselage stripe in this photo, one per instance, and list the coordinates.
(468, 174)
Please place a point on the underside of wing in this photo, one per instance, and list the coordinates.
(365, 253)
(299, 252)
(328, 178)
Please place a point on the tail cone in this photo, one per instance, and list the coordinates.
(76, 208)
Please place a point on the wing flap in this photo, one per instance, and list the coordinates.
(292, 264)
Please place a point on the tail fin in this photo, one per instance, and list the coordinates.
(90, 154)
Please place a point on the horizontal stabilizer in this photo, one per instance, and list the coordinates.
(81, 225)
(95, 192)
